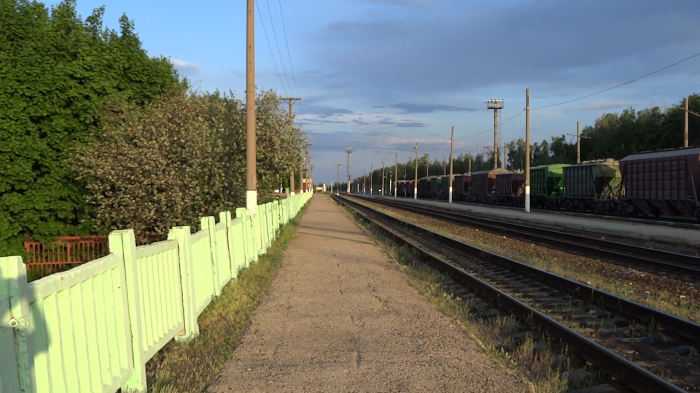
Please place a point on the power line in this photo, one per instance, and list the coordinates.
(621, 84)
(284, 28)
(274, 34)
(270, 46)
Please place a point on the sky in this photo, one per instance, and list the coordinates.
(382, 75)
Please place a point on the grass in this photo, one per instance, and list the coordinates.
(533, 358)
(191, 366)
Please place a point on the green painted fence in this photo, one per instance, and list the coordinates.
(94, 327)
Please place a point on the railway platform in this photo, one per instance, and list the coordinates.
(339, 317)
(601, 224)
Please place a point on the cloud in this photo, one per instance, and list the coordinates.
(321, 110)
(185, 68)
(410, 125)
(428, 108)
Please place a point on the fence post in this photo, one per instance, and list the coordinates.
(123, 242)
(209, 223)
(184, 251)
(15, 291)
(226, 217)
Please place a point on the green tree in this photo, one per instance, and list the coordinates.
(62, 79)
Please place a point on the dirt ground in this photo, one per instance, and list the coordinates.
(339, 317)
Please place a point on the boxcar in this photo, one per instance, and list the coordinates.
(444, 192)
(461, 187)
(510, 188)
(483, 185)
(662, 182)
(547, 185)
(423, 187)
(435, 182)
(592, 185)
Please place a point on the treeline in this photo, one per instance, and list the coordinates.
(614, 135)
(96, 135)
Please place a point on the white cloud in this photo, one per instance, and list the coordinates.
(185, 68)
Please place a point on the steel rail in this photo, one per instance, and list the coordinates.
(636, 377)
(687, 264)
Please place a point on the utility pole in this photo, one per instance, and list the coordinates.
(686, 110)
(371, 178)
(251, 197)
(685, 129)
(470, 163)
(338, 186)
(527, 150)
(291, 119)
(396, 174)
(427, 165)
(364, 180)
(452, 147)
(348, 150)
(415, 184)
(495, 104)
(383, 160)
(578, 141)
(505, 155)
(443, 166)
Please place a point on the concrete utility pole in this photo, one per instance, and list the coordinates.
(452, 148)
(470, 163)
(396, 174)
(336, 187)
(383, 160)
(291, 117)
(415, 184)
(348, 150)
(505, 155)
(527, 150)
(495, 104)
(251, 194)
(371, 178)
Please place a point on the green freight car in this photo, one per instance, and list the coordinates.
(592, 185)
(444, 192)
(547, 185)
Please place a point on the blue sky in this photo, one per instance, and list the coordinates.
(380, 75)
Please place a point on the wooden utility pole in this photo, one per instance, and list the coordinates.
(452, 146)
(527, 150)
(364, 181)
(427, 165)
(685, 129)
(470, 163)
(291, 119)
(371, 178)
(444, 170)
(578, 141)
(396, 174)
(415, 184)
(251, 200)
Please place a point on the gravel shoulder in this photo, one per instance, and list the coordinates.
(340, 317)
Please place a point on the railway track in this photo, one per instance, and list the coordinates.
(684, 267)
(677, 222)
(608, 331)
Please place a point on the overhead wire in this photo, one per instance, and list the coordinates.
(284, 28)
(274, 34)
(270, 46)
(620, 85)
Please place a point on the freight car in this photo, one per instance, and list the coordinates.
(661, 183)
(547, 185)
(510, 189)
(462, 185)
(435, 184)
(592, 186)
(424, 187)
(483, 185)
(444, 192)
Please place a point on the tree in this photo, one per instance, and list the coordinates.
(62, 79)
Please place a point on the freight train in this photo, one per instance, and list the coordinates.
(665, 182)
